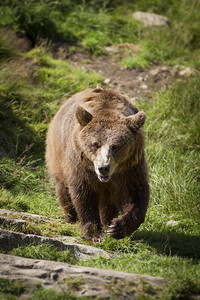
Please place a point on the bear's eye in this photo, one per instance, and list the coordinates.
(114, 148)
(95, 146)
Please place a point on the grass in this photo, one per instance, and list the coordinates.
(33, 85)
(45, 251)
(12, 290)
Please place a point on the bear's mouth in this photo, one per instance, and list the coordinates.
(103, 178)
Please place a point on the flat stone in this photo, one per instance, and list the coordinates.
(10, 240)
(13, 222)
(172, 223)
(8, 213)
(86, 281)
(107, 81)
(144, 86)
(187, 72)
(150, 19)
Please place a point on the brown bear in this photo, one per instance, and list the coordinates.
(95, 152)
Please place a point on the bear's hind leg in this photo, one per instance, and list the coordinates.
(133, 213)
(65, 202)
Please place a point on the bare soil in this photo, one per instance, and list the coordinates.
(136, 83)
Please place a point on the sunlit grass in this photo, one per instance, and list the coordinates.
(45, 251)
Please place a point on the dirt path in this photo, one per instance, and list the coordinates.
(136, 83)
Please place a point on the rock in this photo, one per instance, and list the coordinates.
(187, 72)
(107, 81)
(154, 72)
(81, 281)
(140, 78)
(150, 19)
(172, 223)
(158, 70)
(13, 214)
(13, 222)
(144, 86)
(10, 240)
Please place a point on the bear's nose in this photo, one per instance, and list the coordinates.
(104, 170)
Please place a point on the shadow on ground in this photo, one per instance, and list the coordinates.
(16, 133)
(171, 243)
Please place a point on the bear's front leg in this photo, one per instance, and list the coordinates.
(133, 215)
(126, 224)
(85, 201)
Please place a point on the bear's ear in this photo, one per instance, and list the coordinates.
(83, 116)
(136, 121)
(98, 89)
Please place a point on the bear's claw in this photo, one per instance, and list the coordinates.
(116, 229)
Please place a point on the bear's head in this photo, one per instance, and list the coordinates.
(110, 141)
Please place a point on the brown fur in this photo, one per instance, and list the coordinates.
(94, 129)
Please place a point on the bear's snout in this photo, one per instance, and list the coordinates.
(104, 173)
(103, 163)
(104, 170)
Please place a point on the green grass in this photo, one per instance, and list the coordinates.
(45, 251)
(12, 290)
(8, 50)
(9, 287)
(42, 294)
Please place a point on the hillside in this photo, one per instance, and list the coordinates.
(50, 50)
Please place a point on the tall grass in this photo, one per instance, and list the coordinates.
(173, 148)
